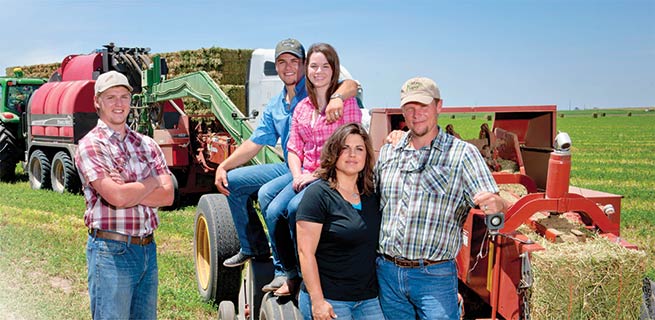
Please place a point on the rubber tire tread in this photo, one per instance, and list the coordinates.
(226, 311)
(224, 283)
(44, 179)
(279, 308)
(176, 195)
(8, 155)
(648, 301)
(258, 274)
(71, 180)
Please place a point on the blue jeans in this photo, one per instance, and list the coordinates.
(244, 184)
(123, 279)
(281, 222)
(426, 292)
(365, 309)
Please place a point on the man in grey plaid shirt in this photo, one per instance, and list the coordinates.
(427, 182)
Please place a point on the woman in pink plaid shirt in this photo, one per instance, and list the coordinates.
(309, 131)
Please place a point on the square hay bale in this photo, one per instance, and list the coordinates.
(596, 279)
(35, 71)
(225, 66)
(237, 94)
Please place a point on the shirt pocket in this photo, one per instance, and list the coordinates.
(435, 179)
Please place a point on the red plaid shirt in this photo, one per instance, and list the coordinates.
(309, 132)
(136, 158)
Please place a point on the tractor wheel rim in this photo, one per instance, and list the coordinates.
(35, 169)
(59, 175)
(203, 257)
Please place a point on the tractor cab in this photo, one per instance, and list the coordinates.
(17, 97)
(15, 92)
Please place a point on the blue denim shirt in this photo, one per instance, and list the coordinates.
(276, 120)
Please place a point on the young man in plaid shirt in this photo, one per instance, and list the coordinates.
(125, 179)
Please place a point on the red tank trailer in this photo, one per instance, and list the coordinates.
(61, 112)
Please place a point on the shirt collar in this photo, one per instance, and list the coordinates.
(301, 93)
(300, 87)
(109, 132)
(437, 143)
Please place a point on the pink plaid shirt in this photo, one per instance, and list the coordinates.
(136, 158)
(309, 133)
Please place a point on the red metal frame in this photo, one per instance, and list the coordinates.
(495, 277)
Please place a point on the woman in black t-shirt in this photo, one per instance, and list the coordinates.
(337, 226)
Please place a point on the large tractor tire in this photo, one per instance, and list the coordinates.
(279, 308)
(215, 240)
(258, 274)
(39, 170)
(63, 175)
(648, 302)
(176, 196)
(9, 155)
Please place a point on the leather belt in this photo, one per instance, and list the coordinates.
(405, 263)
(108, 235)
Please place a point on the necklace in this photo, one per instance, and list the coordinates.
(353, 194)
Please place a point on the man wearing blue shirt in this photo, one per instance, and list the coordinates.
(241, 184)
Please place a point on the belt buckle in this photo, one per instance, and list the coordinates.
(143, 239)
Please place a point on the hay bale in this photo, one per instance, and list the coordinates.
(237, 94)
(508, 165)
(225, 66)
(596, 279)
(35, 71)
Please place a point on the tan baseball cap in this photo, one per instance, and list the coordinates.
(111, 79)
(420, 89)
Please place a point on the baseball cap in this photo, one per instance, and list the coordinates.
(420, 89)
(111, 79)
(291, 46)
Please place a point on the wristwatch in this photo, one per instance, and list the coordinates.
(336, 95)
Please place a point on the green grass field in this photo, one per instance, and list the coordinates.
(42, 234)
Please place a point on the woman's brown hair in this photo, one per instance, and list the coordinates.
(333, 59)
(332, 150)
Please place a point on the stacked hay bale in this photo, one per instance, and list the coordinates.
(596, 279)
(227, 67)
(35, 71)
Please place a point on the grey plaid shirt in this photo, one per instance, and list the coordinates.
(426, 194)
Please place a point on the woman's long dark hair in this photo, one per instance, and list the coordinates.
(333, 60)
(334, 147)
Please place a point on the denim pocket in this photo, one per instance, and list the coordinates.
(444, 269)
(110, 247)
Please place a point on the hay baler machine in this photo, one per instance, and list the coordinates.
(61, 113)
(494, 264)
(193, 144)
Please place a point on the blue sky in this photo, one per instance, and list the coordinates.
(574, 53)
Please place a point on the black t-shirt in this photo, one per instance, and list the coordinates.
(346, 249)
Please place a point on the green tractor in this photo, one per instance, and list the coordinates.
(15, 93)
